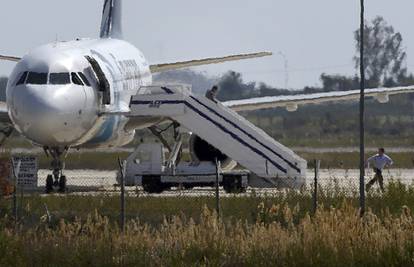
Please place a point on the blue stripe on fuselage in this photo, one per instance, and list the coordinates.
(107, 130)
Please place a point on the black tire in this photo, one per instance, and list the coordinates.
(152, 184)
(228, 189)
(188, 186)
(62, 184)
(49, 184)
(233, 185)
(242, 190)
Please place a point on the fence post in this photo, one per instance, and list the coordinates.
(15, 173)
(315, 185)
(122, 167)
(21, 198)
(15, 212)
(362, 115)
(217, 188)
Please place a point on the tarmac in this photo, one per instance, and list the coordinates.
(97, 182)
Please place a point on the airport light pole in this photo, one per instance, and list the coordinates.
(362, 116)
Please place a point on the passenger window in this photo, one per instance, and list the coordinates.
(22, 78)
(36, 78)
(84, 79)
(76, 79)
(59, 78)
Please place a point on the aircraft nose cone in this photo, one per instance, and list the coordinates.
(50, 115)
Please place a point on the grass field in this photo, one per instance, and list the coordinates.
(272, 230)
(350, 160)
(255, 230)
(109, 161)
(87, 160)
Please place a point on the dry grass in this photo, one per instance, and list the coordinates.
(254, 230)
(332, 237)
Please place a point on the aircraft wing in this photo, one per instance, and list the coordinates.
(10, 58)
(199, 62)
(292, 102)
(182, 64)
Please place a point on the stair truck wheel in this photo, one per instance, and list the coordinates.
(232, 184)
(152, 184)
(188, 187)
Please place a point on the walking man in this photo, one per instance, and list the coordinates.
(212, 93)
(378, 163)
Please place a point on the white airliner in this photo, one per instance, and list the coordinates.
(73, 94)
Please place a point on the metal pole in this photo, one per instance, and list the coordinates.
(21, 197)
(362, 116)
(15, 173)
(315, 188)
(15, 199)
(217, 188)
(122, 166)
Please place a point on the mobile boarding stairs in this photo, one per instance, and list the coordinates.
(270, 163)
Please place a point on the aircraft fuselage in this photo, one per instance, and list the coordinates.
(57, 95)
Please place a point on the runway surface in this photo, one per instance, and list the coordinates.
(95, 181)
(40, 151)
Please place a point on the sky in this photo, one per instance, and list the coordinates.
(311, 36)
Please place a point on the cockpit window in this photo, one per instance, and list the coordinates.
(84, 79)
(36, 78)
(59, 78)
(76, 79)
(22, 78)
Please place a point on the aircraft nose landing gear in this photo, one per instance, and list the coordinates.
(56, 179)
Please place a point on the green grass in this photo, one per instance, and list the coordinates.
(87, 160)
(350, 160)
(109, 161)
(344, 140)
(154, 209)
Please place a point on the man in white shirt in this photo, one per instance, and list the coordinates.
(378, 163)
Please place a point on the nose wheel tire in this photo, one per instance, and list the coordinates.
(62, 184)
(49, 184)
(56, 179)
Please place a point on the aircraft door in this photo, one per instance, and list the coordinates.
(102, 81)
